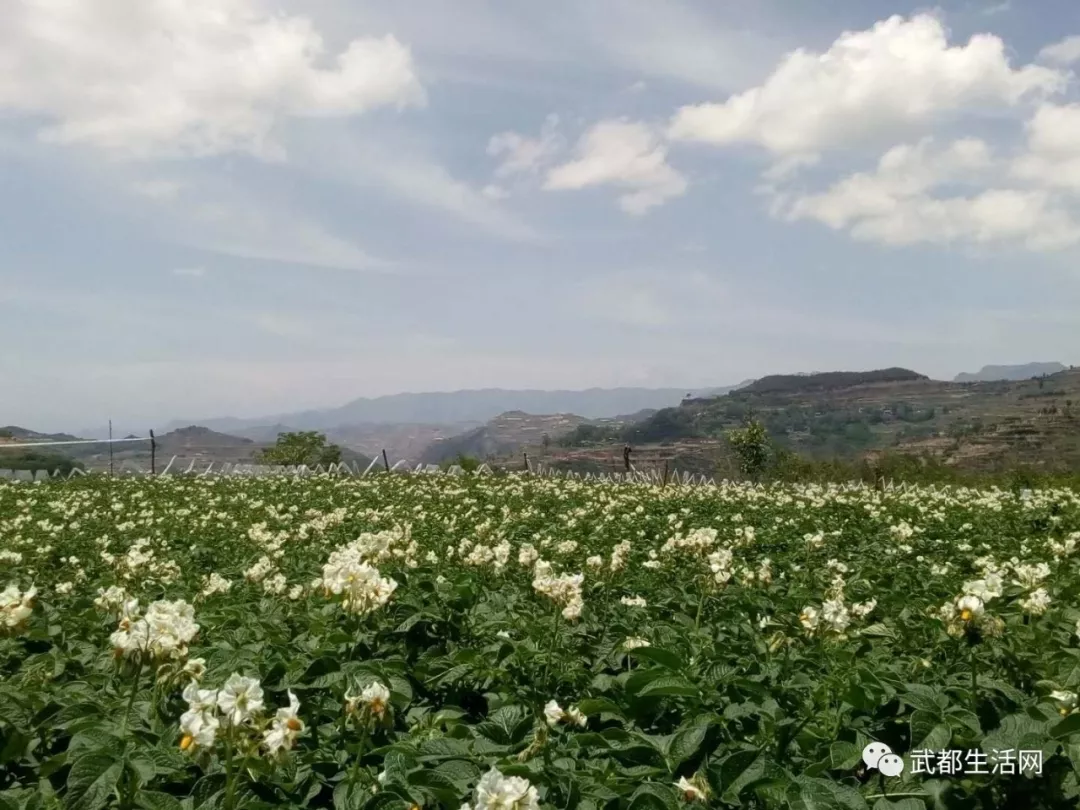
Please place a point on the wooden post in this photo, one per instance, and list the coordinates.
(110, 449)
(153, 454)
(665, 473)
(527, 468)
(385, 461)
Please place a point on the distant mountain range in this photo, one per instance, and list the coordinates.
(1021, 372)
(455, 407)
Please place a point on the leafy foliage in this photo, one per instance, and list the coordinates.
(305, 447)
(686, 682)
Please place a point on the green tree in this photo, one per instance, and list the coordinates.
(752, 447)
(307, 447)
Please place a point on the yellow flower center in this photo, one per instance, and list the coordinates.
(966, 615)
(185, 743)
(293, 724)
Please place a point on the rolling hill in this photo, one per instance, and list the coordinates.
(981, 425)
(1022, 372)
(462, 407)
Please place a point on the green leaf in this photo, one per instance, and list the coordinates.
(514, 722)
(350, 796)
(401, 691)
(688, 739)
(1067, 727)
(92, 779)
(442, 786)
(665, 658)
(669, 685)
(822, 794)
(444, 748)
(592, 706)
(1009, 691)
(900, 804)
(736, 771)
(460, 771)
(1015, 729)
(919, 696)
(879, 630)
(154, 800)
(844, 756)
(928, 732)
(142, 767)
(652, 796)
(386, 800)
(95, 738)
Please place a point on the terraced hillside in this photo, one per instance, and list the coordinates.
(973, 425)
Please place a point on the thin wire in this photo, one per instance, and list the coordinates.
(74, 441)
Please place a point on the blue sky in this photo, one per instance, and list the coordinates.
(245, 207)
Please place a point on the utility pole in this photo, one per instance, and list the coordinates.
(110, 450)
(153, 454)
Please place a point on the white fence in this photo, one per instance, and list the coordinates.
(654, 477)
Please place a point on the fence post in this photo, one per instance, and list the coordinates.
(153, 454)
(385, 461)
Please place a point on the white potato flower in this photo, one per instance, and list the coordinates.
(498, 792)
(1066, 701)
(240, 700)
(1036, 603)
(16, 607)
(284, 728)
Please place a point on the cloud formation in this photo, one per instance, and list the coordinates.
(895, 204)
(1065, 52)
(146, 78)
(626, 154)
(868, 84)
(521, 154)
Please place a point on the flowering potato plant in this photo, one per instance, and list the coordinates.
(420, 642)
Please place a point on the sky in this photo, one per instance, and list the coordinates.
(248, 207)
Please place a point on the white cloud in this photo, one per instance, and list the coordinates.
(899, 73)
(189, 272)
(895, 204)
(1052, 158)
(524, 155)
(1065, 52)
(158, 77)
(625, 154)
